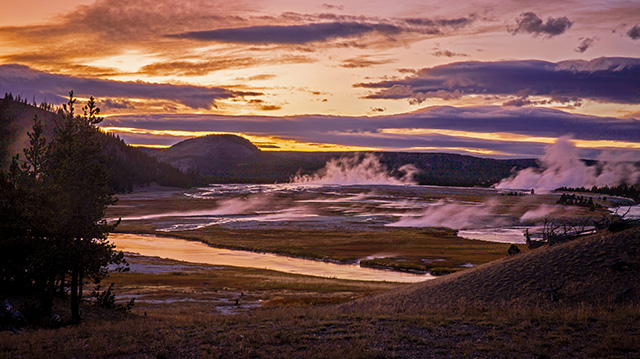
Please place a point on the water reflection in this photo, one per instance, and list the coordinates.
(198, 252)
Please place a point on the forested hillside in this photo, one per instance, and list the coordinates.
(129, 166)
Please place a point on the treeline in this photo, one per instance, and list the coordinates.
(129, 166)
(43, 105)
(447, 169)
(53, 239)
(440, 169)
(580, 201)
(623, 190)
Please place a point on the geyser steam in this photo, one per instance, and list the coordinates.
(453, 215)
(561, 167)
(358, 170)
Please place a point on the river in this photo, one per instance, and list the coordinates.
(198, 252)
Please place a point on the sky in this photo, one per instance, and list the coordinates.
(489, 78)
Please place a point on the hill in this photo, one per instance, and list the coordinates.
(233, 159)
(600, 269)
(16, 118)
(209, 155)
(130, 167)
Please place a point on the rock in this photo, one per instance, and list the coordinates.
(513, 250)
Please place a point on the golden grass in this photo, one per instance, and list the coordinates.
(326, 332)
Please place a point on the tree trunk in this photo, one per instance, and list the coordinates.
(51, 286)
(80, 286)
(75, 300)
(46, 298)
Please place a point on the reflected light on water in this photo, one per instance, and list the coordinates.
(197, 252)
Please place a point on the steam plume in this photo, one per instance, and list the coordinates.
(232, 206)
(356, 170)
(561, 167)
(537, 214)
(452, 215)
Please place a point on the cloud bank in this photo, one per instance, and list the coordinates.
(603, 79)
(54, 88)
(507, 131)
(293, 34)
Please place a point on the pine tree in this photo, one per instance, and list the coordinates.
(79, 182)
(52, 205)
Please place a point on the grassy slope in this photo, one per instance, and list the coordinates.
(600, 269)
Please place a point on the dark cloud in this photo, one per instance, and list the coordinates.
(331, 7)
(363, 61)
(203, 67)
(434, 23)
(292, 34)
(586, 43)
(530, 23)
(634, 32)
(602, 79)
(325, 27)
(370, 131)
(54, 88)
(115, 104)
(448, 53)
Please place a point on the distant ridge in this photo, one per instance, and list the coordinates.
(234, 159)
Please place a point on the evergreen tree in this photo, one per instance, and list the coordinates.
(79, 181)
(52, 205)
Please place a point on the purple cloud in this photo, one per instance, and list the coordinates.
(292, 34)
(634, 32)
(369, 131)
(530, 23)
(53, 88)
(602, 79)
(586, 43)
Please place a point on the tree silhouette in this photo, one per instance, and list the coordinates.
(54, 202)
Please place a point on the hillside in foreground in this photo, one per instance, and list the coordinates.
(596, 270)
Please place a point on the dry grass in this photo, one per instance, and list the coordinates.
(600, 269)
(157, 283)
(326, 332)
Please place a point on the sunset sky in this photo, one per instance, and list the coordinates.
(490, 78)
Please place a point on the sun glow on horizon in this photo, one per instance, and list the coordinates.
(510, 137)
(264, 143)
